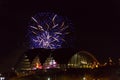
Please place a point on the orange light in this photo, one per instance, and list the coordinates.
(37, 65)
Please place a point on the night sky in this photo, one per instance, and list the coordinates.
(96, 23)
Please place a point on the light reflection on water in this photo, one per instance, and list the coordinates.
(73, 76)
(79, 77)
(69, 77)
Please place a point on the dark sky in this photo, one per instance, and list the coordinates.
(97, 25)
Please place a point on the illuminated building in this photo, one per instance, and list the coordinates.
(36, 63)
(83, 59)
(42, 59)
(24, 64)
(50, 63)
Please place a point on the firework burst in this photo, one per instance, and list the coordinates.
(48, 30)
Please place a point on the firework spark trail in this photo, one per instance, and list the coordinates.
(39, 26)
(34, 20)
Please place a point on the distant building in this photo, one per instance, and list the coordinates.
(24, 64)
(42, 59)
(83, 59)
(50, 63)
(36, 63)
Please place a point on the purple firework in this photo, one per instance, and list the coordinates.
(48, 30)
